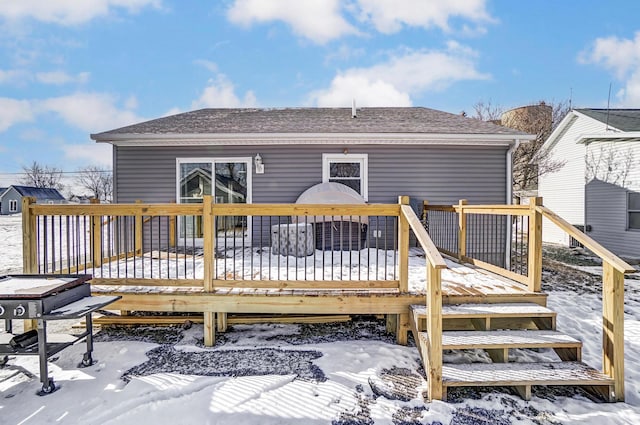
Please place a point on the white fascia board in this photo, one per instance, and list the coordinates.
(629, 136)
(555, 134)
(239, 139)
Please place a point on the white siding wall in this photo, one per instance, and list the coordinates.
(563, 191)
(622, 150)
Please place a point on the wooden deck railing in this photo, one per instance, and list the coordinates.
(613, 271)
(125, 244)
(494, 237)
(434, 264)
(450, 230)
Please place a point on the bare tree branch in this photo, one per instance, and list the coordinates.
(529, 161)
(43, 176)
(97, 181)
(609, 164)
(487, 111)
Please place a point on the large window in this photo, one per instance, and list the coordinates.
(13, 205)
(634, 210)
(348, 169)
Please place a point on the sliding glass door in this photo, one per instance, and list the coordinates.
(228, 181)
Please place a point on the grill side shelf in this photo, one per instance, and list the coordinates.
(81, 307)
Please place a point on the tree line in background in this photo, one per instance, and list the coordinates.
(97, 183)
(530, 160)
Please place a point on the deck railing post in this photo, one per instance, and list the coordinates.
(29, 237)
(613, 327)
(137, 249)
(29, 247)
(96, 237)
(403, 247)
(434, 332)
(534, 272)
(172, 229)
(462, 230)
(209, 264)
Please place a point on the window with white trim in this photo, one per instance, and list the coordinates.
(13, 205)
(633, 209)
(348, 169)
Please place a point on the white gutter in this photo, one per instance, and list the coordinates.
(622, 136)
(510, 152)
(240, 139)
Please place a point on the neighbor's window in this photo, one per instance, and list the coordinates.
(348, 169)
(634, 210)
(13, 205)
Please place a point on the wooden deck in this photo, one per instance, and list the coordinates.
(497, 288)
(460, 284)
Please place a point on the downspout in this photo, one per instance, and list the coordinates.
(507, 251)
(510, 152)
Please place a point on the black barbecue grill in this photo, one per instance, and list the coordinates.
(42, 298)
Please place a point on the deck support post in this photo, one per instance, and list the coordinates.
(209, 265)
(434, 331)
(534, 272)
(29, 246)
(613, 327)
(402, 320)
(462, 230)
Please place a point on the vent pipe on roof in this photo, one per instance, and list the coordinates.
(354, 114)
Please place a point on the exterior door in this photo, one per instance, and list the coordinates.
(228, 181)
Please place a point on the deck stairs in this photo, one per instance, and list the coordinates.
(498, 329)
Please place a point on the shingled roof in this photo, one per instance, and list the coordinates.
(622, 119)
(416, 120)
(40, 193)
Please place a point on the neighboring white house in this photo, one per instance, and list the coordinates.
(599, 185)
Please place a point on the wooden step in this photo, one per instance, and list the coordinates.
(524, 375)
(498, 343)
(456, 340)
(482, 315)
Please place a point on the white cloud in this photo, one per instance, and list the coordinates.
(389, 16)
(68, 12)
(393, 82)
(317, 20)
(220, 93)
(325, 20)
(13, 111)
(61, 77)
(91, 112)
(99, 154)
(11, 75)
(620, 56)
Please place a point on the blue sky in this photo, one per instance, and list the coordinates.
(70, 68)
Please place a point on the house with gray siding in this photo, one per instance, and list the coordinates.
(274, 155)
(598, 188)
(11, 197)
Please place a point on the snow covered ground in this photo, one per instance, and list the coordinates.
(346, 373)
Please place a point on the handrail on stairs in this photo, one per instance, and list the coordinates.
(435, 263)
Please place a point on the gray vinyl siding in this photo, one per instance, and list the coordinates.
(439, 174)
(10, 195)
(606, 213)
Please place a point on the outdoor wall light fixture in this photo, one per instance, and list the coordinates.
(259, 165)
